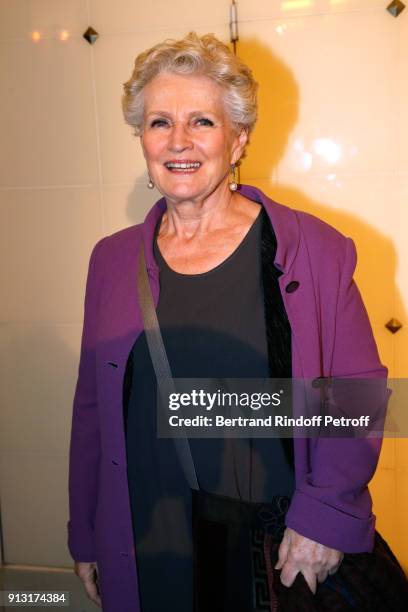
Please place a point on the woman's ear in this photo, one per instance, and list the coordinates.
(142, 144)
(239, 144)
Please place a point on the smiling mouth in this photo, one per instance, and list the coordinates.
(183, 167)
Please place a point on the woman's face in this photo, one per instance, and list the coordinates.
(185, 123)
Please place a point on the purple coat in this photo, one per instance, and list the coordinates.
(331, 336)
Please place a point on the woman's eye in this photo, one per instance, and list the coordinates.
(158, 122)
(205, 121)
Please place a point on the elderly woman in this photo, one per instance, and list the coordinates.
(243, 287)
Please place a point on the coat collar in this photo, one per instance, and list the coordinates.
(283, 219)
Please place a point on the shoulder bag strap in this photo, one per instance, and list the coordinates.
(161, 364)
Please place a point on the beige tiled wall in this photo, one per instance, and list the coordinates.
(332, 139)
(70, 172)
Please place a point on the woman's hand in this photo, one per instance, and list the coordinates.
(299, 554)
(88, 573)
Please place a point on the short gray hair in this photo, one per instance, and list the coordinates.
(196, 55)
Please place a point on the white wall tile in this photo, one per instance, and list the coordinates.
(39, 368)
(402, 97)
(401, 502)
(401, 355)
(19, 18)
(34, 511)
(46, 236)
(387, 455)
(48, 114)
(131, 16)
(127, 205)
(121, 155)
(325, 106)
(263, 9)
(399, 212)
(385, 344)
(383, 488)
(401, 453)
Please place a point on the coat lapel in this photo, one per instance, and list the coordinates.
(285, 262)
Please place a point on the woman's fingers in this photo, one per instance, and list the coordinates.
(334, 569)
(300, 554)
(88, 573)
(310, 578)
(283, 550)
(289, 573)
(92, 590)
(321, 576)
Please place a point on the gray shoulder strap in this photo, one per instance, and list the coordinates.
(160, 362)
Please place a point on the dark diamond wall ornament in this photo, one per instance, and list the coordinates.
(396, 7)
(91, 35)
(393, 325)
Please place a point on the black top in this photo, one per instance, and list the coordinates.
(213, 325)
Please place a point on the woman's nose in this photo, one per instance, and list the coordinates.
(179, 138)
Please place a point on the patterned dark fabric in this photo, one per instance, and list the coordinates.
(367, 582)
(230, 570)
(236, 546)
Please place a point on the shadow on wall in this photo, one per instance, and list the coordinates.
(279, 102)
(377, 257)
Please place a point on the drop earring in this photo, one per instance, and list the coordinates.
(150, 184)
(233, 185)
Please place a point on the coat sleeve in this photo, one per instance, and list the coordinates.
(332, 504)
(84, 454)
